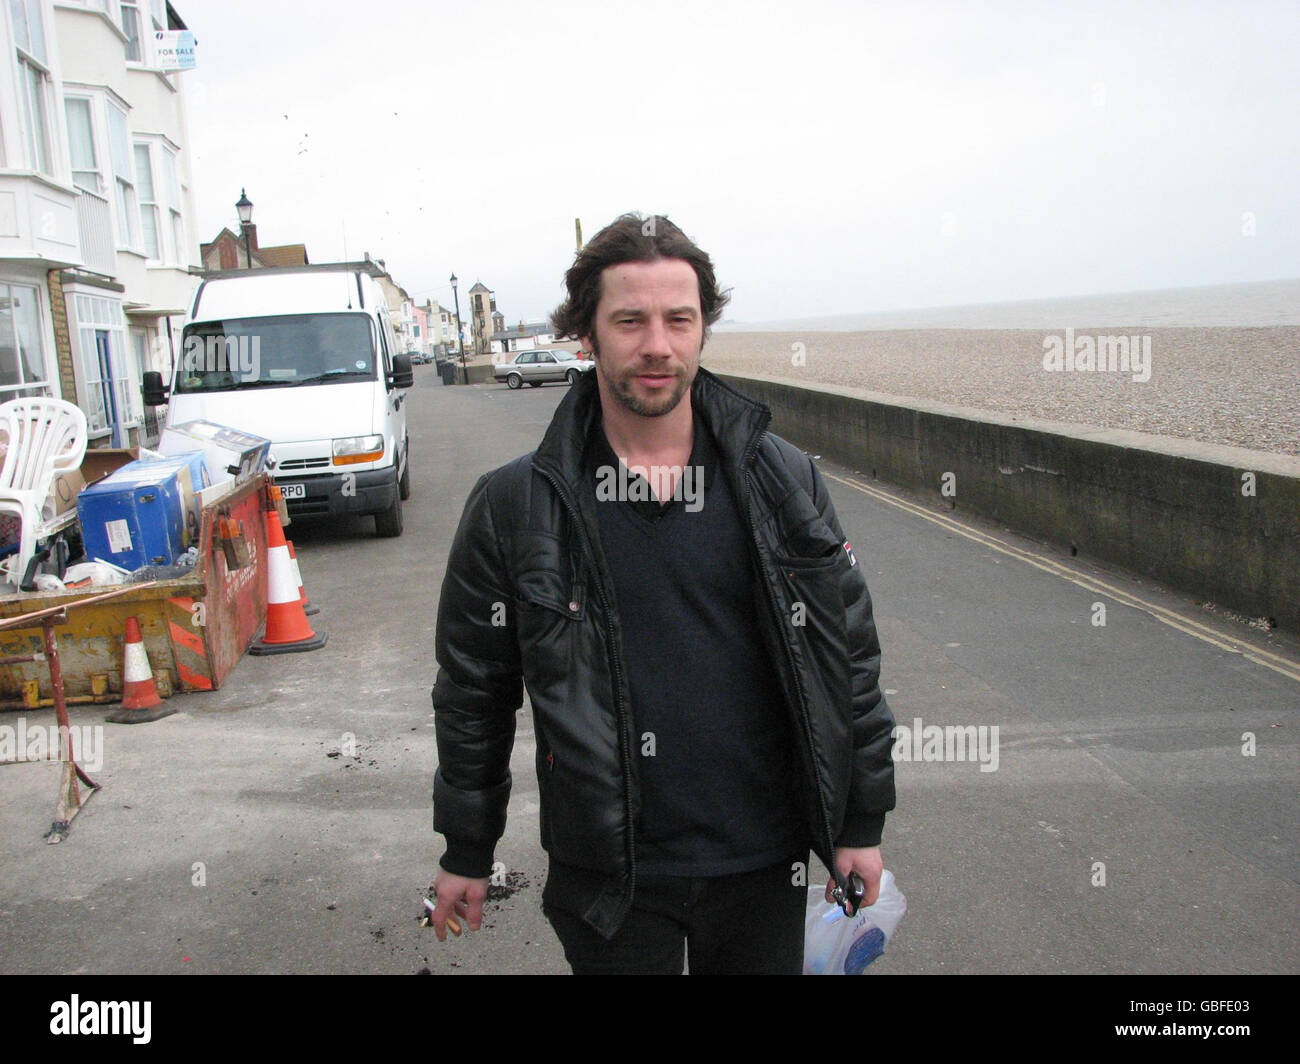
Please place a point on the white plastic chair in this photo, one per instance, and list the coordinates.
(44, 438)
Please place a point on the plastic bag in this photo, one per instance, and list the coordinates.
(836, 944)
(100, 574)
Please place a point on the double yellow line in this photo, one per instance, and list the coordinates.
(1286, 666)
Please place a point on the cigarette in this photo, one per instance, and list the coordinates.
(453, 925)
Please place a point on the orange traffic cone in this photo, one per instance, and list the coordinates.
(307, 607)
(287, 629)
(140, 701)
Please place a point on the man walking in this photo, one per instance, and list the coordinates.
(671, 583)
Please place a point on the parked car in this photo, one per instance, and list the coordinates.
(537, 367)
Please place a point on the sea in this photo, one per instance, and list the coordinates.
(1254, 304)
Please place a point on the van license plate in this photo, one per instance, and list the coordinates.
(294, 491)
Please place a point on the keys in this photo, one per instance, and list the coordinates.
(850, 900)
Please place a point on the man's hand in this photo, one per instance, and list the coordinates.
(460, 898)
(868, 864)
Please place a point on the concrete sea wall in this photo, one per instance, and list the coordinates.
(1220, 523)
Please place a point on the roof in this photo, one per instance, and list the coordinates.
(276, 255)
(283, 255)
(534, 329)
(480, 284)
(225, 232)
(303, 290)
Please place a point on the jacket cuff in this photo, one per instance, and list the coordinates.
(859, 831)
(465, 858)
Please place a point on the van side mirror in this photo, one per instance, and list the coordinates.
(402, 376)
(155, 393)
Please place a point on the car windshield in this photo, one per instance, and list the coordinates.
(565, 356)
(282, 351)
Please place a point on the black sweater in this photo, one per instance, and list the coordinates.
(713, 742)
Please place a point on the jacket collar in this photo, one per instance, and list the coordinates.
(735, 420)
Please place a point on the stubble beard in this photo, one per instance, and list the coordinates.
(621, 390)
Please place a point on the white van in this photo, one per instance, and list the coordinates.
(304, 356)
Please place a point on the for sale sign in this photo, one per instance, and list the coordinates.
(174, 49)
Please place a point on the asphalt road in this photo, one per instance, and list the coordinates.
(1123, 830)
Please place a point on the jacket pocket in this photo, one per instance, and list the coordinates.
(545, 590)
(816, 605)
(551, 626)
(797, 567)
(544, 577)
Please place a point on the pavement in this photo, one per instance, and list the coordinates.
(283, 823)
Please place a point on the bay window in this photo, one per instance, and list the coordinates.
(148, 203)
(131, 27)
(128, 225)
(22, 362)
(34, 84)
(81, 140)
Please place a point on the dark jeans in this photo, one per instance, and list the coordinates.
(745, 924)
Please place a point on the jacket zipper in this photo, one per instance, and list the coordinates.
(619, 708)
(794, 672)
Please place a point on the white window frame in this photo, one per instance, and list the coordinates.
(97, 156)
(147, 16)
(35, 109)
(141, 43)
(175, 204)
(148, 207)
(94, 310)
(44, 384)
(126, 221)
(164, 163)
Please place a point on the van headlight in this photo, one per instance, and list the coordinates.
(353, 449)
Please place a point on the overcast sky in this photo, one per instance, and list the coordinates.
(831, 157)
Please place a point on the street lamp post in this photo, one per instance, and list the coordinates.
(460, 344)
(244, 206)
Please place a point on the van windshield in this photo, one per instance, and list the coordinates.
(281, 351)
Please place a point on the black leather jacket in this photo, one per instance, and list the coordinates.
(525, 599)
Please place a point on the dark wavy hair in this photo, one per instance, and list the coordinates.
(631, 238)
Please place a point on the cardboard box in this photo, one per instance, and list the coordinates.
(63, 494)
(96, 465)
(193, 478)
(101, 461)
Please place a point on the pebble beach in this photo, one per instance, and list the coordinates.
(1238, 386)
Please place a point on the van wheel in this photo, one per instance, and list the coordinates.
(514, 381)
(388, 523)
(572, 376)
(404, 485)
